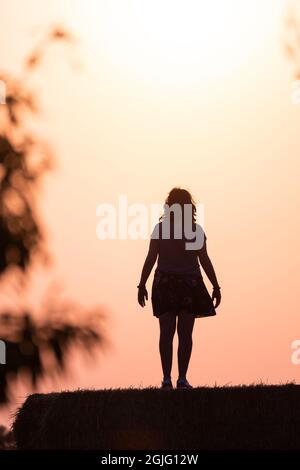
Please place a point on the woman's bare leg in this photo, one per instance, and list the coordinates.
(167, 323)
(185, 342)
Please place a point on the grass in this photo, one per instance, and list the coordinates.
(244, 417)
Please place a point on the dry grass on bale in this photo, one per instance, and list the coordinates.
(254, 417)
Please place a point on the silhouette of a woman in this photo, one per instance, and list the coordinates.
(179, 294)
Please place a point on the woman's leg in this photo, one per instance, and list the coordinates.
(185, 330)
(167, 324)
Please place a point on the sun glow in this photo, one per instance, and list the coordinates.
(177, 41)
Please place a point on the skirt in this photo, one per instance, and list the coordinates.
(181, 293)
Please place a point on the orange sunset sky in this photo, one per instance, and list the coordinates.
(188, 93)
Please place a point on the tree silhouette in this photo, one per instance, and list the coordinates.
(24, 159)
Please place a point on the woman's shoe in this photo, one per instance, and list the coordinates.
(183, 384)
(167, 384)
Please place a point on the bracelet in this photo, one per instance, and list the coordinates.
(216, 287)
(141, 285)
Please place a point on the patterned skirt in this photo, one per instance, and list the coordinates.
(181, 293)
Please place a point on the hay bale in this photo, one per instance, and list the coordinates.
(261, 417)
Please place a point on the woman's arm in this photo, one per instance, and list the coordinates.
(210, 272)
(147, 268)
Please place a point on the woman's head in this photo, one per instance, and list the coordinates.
(181, 197)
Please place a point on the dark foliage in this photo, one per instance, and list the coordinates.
(24, 159)
(20, 231)
(28, 342)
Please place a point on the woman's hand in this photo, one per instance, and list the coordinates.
(216, 295)
(142, 295)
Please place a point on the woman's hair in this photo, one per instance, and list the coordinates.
(181, 197)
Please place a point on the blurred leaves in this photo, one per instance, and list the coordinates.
(24, 159)
(40, 348)
(291, 35)
(57, 34)
(34, 348)
(20, 231)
